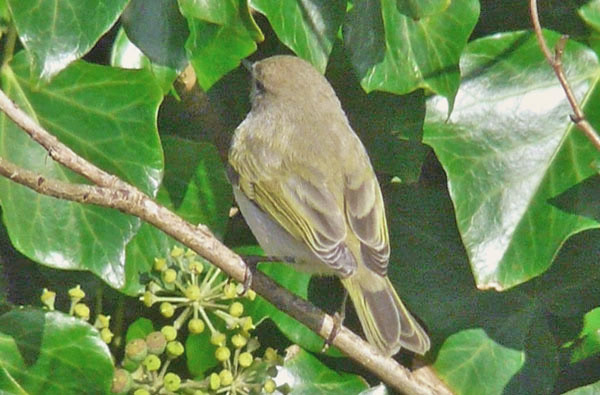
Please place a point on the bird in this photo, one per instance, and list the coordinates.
(306, 187)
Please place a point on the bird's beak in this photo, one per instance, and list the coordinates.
(247, 64)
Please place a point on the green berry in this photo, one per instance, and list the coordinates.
(236, 309)
(238, 341)
(226, 377)
(192, 292)
(222, 353)
(174, 349)
(148, 298)
(157, 342)
(76, 293)
(176, 251)
(152, 363)
(196, 325)
(122, 382)
(106, 335)
(48, 298)
(218, 338)
(271, 355)
(170, 332)
(269, 386)
(82, 311)
(136, 350)
(160, 264)
(215, 381)
(196, 267)
(229, 291)
(172, 381)
(251, 295)
(169, 276)
(246, 359)
(141, 391)
(167, 309)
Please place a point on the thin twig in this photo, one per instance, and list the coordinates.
(555, 61)
(110, 191)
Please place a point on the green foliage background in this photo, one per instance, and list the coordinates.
(492, 195)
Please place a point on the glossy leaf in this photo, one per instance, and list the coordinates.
(591, 14)
(470, 360)
(196, 183)
(221, 34)
(417, 9)
(307, 375)
(52, 353)
(159, 30)
(591, 389)
(429, 269)
(390, 126)
(589, 344)
(108, 116)
(394, 53)
(508, 148)
(125, 54)
(57, 32)
(308, 28)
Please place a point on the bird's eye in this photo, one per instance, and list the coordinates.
(259, 88)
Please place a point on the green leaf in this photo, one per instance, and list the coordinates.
(589, 344)
(221, 34)
(394, 53)
(417, 9)
(508, 148)
(579, 198)
(139, 329)
(159, 30)
(592, 389)
(200, 353)
(52, 353)
(108, 116)
(55, 33)
(390, 126)
(308, 28)
(196, 183)
(429, 269)
(590, 13)
(469, 362)
(307, 375)
(126, 55)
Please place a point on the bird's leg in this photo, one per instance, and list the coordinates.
(251, 261)
(338, 320)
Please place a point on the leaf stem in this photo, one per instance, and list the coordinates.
(555, 61)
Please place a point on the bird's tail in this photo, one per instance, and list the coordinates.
(386, 322)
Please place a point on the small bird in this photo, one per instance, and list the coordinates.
(305, 185)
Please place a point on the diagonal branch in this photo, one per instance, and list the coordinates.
(110, 191)
(555, 61)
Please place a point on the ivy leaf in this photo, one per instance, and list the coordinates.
(392, 52)
(307, 375)
(308, 28)
(509, 148)
(159, 30)
(57, 32)
(108, 116)
(221, 34)
(50, 352)
(470, 360)
(417, 9)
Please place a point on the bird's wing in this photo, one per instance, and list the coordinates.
(366, 215)
(304, 208)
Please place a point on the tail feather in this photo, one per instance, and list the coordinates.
(386, 322)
